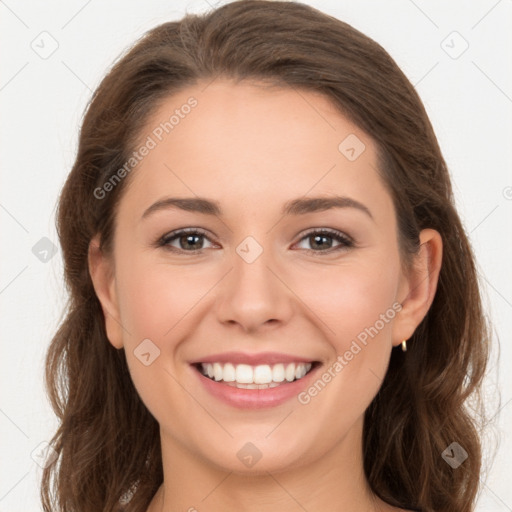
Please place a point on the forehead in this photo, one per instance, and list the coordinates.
(247, 141)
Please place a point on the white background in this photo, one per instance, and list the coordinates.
(469, 100)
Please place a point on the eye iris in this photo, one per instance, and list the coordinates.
(189, 239)
(318, 239)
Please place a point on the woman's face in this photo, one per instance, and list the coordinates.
(291, 257)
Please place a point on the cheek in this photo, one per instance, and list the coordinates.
(158, 303)
(154, 298)
(355, 304)
(349, 300)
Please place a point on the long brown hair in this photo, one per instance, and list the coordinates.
(421, 407)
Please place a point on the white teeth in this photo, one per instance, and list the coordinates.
(244, 374)
(229, 374)
(217, 371)
(262, 376)
(290, 372)
(300, 371)
(278, 373)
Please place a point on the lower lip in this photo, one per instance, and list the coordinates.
(254, 398)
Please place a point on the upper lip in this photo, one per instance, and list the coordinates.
(253, 359)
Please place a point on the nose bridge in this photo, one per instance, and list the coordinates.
(252, 295)
(252, 278)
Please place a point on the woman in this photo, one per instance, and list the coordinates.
(273, 302)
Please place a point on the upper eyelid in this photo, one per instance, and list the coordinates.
(201, 231)
(173, 235)
(330, 231)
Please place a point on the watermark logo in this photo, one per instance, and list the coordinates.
(454, 45)
(351, 147)
(44, 250)
(43, 454)
(249, 249)
(249, 454)
(454, 455)
(146, 352)
(45, 45)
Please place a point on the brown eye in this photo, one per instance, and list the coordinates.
(324, 240)
(189, 240)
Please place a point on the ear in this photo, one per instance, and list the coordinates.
(101, 269)
(417, 290)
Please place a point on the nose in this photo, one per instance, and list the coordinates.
(254, 296)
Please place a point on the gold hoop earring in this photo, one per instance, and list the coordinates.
(404, 346)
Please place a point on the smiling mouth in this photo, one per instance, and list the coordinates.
(263, 376)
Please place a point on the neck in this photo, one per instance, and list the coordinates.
(333, 481)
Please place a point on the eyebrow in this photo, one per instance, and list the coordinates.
(298, 206)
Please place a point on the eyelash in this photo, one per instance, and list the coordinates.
(345, 241)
